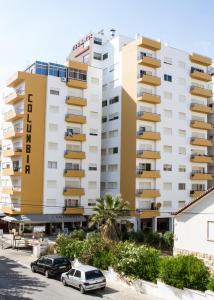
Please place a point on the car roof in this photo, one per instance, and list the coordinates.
(53, 256)
(84, 268)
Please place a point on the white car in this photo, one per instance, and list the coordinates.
(85, 278)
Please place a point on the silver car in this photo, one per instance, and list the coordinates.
(85, 278)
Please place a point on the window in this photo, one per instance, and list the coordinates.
(182, 186)
(168, 95)
(182, 150)
(167, 167)
(102, 185)
(167, 77)
(113, 150)
(182, 133)
(52, 146)
(52, 164)
(181, 204)
(210, 231)
(104, 103)
(92, 184)
(167, 204)
(168, 60)
(86, 59)
(182, 168)
(167, 149)
(104, 135)
(103, 168)
(168, 113)
(167, 186)
(112, 168)
(53, 127)
(113, 133)
(114, 100)
(93, 149)
(51, 183)
(97, 41)
(103, 152)
(54, 109)
(77, 274)
(112, 185)
(92, 167)
(94, 114)
(113, 117)
(91, 202)
(167, 131)
(93, 131)
(54, 92)
(105, 86)
(105, 56)
(182, 116)
(95, 80)
(97, 56)
(104, 119)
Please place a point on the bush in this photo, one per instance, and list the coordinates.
(153, 239)
(137, 236)
(103, 259)
(210, 285)
(77, 234)
(168, 240)
(137, 261)
(184, 271)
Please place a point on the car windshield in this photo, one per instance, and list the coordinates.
(60, 261)
(93, 274)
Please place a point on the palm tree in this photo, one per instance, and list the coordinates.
(107, 214)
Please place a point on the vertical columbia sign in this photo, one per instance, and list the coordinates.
(28, 136)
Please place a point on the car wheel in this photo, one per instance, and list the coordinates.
(33, 269)
(64, 282)
(82, 290)
(47, 275)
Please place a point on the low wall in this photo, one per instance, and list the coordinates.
(159, 290)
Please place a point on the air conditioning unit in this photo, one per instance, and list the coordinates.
(63, 79)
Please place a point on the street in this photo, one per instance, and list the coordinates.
(18, 282)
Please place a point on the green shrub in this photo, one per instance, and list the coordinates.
(77, 234)
(61, 242)
(184, 271)
(210, 285)
(137, 261)
(103, 259)
(137, 236)
(153, 239)
(168, 240)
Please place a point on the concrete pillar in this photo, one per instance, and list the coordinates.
(154, 224)
(171, 225)
(63, 226)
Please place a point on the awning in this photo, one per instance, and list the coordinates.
(1, 214)
(51, 218)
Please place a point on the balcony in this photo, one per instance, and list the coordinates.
(77, 137)
(200, 76)
(11, 190)
(74, 173)
(200, 176)
(15, 79)
(198, 158)
(68, 191)
(75, 119)
(12, 116)
(148, 135)
(11, 210)
(148, 44)
(149, 98)
(200, 108)
(147, 174)
(77, 65)
(201, 92)
(150, 80)
(71, 100)
(12, 152)
(148, 116)
(147, 213)
(200, 142)
(77, 84)
(147, 193)
(200, 59)
(12, 171)
(148, 154)
(74, 154)
(13, 134)
(196, 194)
(200, 125)
(149, 61)
(14, 97)
(74, 210)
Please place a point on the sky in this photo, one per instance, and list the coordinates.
(46, 29)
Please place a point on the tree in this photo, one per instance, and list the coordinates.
(107, 215)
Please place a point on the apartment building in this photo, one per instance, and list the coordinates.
(154, 123)
(51, 145)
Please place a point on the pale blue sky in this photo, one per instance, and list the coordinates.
(46, 29)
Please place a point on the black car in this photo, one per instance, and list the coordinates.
(51, 265)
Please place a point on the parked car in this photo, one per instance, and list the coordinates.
(51, 265)
(85, 278)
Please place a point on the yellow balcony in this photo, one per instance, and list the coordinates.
(201, 125)
(148, 135)
(74, 211)
(200, 76)
(150, 79)
(11, 190)
(77, 65)
(200, 108)
(148, 44)
(201, 92)
(74, 173)
(75, 137)
(200, 142)
(148, 116)
(11, 152)
(149, 98)
(148, 193)
(15, 79)
(11, 172)
(200, 59)
(14, 98)
(201, 176)
(12, 134)
(10, 210)
(148, 174)
(74, 192)
(150, 213)
(13, 116)
(149, 62)
(196, 194)
(75, 119)
(148, 154)
(201, 159)
(71, 100)
(74, 154)
(77, 84)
